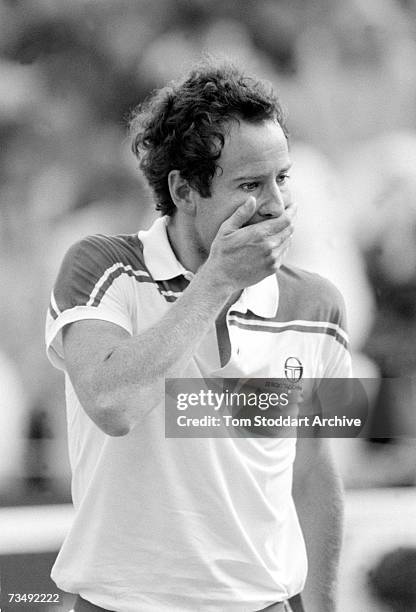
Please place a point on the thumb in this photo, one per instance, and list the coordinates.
(241, 215)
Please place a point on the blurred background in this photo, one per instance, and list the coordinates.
(70, 74)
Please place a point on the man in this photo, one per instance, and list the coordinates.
(198, 524)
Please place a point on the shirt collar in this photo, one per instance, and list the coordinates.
(262, 298)
(158, 256)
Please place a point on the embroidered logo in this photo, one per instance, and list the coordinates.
(293, 369)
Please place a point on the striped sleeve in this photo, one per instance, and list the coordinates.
(93, 283)
(338, 361)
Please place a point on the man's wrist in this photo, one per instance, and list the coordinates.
(214, 284)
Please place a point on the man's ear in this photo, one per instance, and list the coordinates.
(181, 192)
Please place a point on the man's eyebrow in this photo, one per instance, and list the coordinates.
(253, 177)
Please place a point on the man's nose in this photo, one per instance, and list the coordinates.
(273, 205)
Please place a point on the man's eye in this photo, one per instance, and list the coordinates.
(249, 186)
(282, 179)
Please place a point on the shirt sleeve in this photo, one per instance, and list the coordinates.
(337, 363)
(335, 389)
(92, 283)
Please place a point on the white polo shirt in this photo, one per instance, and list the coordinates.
(176, 525)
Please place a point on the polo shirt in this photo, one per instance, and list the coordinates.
(173, 524)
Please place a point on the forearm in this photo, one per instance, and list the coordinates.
(132, 373)
(319, 503)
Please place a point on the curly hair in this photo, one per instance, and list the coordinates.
(183, 126)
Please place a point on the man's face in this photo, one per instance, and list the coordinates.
(255, 162)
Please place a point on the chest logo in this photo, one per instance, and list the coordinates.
(293, 369)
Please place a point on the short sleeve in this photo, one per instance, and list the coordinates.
(337, 363)
(93, 283)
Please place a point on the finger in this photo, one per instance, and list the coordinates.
(283, 239)
(292, 210)
(274, 227)
(286, 245)
(282, 251)
(241, 215)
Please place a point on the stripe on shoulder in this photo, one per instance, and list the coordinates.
(308, 303)
(250, 322)
(92, 264)
(306, 296)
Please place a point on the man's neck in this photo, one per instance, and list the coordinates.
(184, 243)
